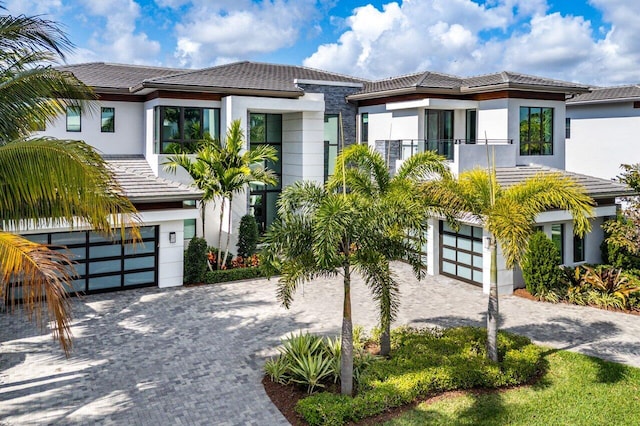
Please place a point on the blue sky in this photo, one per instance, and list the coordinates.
(589, 41)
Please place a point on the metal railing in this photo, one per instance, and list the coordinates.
(401, 149)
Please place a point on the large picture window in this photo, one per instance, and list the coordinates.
(178, 129)
(536, 131)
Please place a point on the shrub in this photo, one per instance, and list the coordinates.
(617, 249)
(222, 276)
(276, 369)
(247, 236)
(609, 287)
(540, 266)
(195, 261)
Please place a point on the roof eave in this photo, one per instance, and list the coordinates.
(161, 198)
(398, 92)
(524, 87)
(604, 101)
(218, 89)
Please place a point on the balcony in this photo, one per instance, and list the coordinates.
(461, 153)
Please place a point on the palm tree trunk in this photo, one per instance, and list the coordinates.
(346, 361)
(226, 251)
(492, 310)
(385, 339)
(220, 232)
(203, 207)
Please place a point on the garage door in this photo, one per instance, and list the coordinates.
(105, 264)
(461, 253)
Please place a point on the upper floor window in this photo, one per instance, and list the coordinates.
(364, 127)
(567, 128)
(107, 119)
(330, 144)
(73, 119)
(471, 126)
(178, 129)
(536, 131)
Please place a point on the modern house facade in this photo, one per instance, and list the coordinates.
(144, 113)
(601, 130)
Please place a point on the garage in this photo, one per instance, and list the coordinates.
(104, 263)
(461, 252)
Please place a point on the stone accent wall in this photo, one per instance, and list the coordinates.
(390, 151)
(335, 103)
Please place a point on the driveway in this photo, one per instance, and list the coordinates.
(194, 355)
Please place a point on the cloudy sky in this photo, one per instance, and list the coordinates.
(588, 41)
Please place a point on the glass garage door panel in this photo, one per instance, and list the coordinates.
(461, 252)
(139, 278)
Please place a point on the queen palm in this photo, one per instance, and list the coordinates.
(364, 171)
(509, 215)
(45, 181)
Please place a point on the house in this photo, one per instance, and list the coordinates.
(601, 130)
(513, 121)
(145, 112)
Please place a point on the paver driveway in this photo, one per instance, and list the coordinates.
(194, 355)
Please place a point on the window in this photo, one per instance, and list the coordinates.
(567, 128)
(266, 129)
(536, 131)
(578, 248)
(364, 127)
(178, 129)
(107, 119)
(471, 133)
(557, 236)
(439, 132)
(73, 119)
(330, 144)
(189, 228)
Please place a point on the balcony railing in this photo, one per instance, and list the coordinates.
(401, 149)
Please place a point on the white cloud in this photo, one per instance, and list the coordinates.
(32, 7)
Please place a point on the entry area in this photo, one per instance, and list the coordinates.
(105, 263)
(461, 253)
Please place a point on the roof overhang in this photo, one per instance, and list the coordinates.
(147, 87)
(433, 103)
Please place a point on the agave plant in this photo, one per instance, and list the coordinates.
(310, 370)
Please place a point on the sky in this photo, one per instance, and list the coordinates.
(593, 42)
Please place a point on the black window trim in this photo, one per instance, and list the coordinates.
(542, 142)
(113, 123)
(76, 108)
(158, 130)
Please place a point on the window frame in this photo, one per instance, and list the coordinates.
(364, 127)
(560, 246)
(579, 252)
(112, 129)
(328, 145)
(68, 111)
(186, 145)
(567, 128)
(527, 144)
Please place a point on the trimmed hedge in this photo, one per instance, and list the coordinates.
(541, 266)
(425, 362)
(212, 277)
(195, 261)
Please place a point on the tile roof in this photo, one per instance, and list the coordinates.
(439, 82)
(603, 94)
(139, 184)
(249, 76)
(595, 187)
(115, 76)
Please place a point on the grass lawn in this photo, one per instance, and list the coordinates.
(576, 390)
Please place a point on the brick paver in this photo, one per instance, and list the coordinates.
(193, 356)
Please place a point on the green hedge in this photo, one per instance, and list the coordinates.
(425, 362)
(212, 277)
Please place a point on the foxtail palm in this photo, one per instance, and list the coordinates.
(509, 215)
(364, 171)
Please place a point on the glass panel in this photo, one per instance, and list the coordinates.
(274, 128)
(332, 154)
(170, 123)
(449, 268)
(96, 283)
(272, 211)
(38, 238)
(464, 272)
(156, 130)
(547, 124)
(448, 254)
(257, 131)
(465, 230)
(105, 251)
(276, 166)
(104, 266)
(535, 125)
(557, 236)
(76, 253)
(477, 261)
(139, 263)
(578, 249)
(145, 232)
(81, 269)
(139, 278)
(447, 125)
(431, 127)
(364, 127)
(68, 238)
(446, 227)
(448, 240)
(79, 285)
(96, 237)
(189, 228)
(464, 258)
(331, 128)
(477, 276)
(211, 123)
(477, 246)
(477, 232)
(464, 244)
(140, 248)
(73, 119)
(470, 131)
(192, 126)
(107, 119)
(547, 148)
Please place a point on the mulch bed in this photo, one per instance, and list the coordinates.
(522, 292)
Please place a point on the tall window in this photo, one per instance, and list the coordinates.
(578, 248)
(567, 128)
(536, 131)
(439, 131)
(178, 129)
(557, 236)
(107, 119)
(330, 144)
(266, 129)
(364, 127)
(73, 119)
(471, 126)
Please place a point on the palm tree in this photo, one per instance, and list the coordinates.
(235, 169)
(366, 173)
(509, 215)
(46, 181)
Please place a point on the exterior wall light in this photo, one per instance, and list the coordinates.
(172, 237)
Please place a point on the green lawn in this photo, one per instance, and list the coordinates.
(576, 390)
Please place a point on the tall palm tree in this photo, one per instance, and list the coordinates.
(364, 171)
(45, 181)
(509, 215)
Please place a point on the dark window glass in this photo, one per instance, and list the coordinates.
(439, 132)
(557, 236)
(330, 144)
(578, 248)
(364, 127)
(536, 131)
(471, 126)
(178, 129)
(107, 119)
(567, 128)
(189, 228)
(73, 119)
